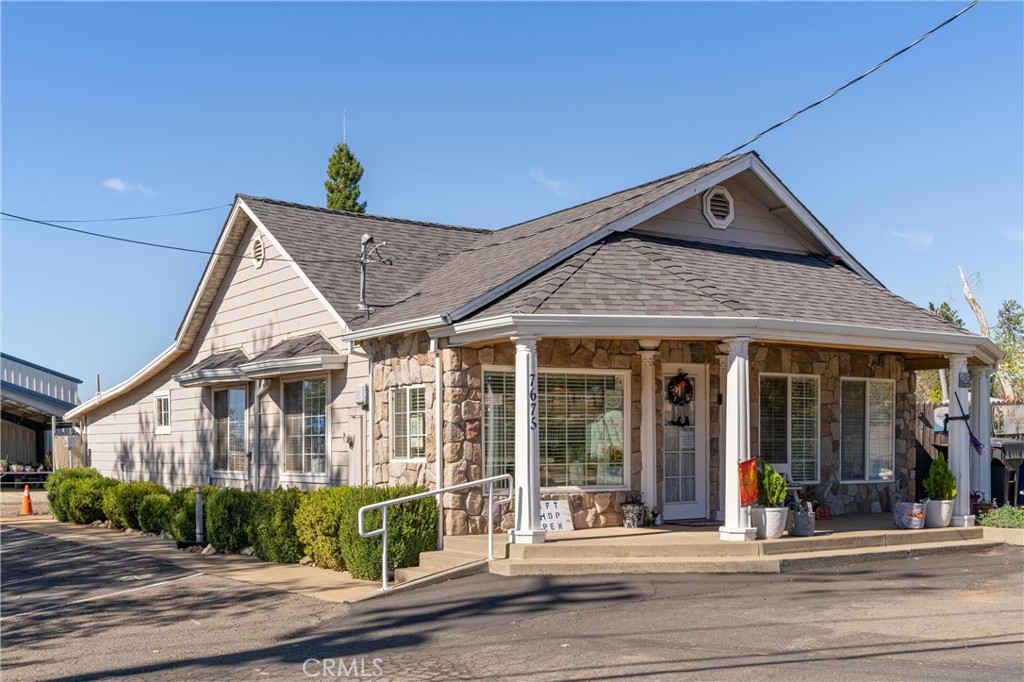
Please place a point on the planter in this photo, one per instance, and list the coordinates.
(632, 515)
(938, 513)
(770, 522)
(908, 515)
(803, 524)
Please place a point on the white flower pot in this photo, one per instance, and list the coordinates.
(769, 522)
(938, 513)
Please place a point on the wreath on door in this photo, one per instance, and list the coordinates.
(680, 389)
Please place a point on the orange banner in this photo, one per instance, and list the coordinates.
(748, 482)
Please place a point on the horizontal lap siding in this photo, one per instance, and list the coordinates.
(255, 309)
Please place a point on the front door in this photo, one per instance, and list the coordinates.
(685, 451)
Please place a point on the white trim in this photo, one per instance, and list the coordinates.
(230, 473)
(397, 328)
(262, 369)
(867, 429)
(789, 423)
(209, 377)
(148, 372)
(283, 475)
(161, 429)
(295, 266)
(716, 328)
(709, 215)
(392, 457)
(627, 416)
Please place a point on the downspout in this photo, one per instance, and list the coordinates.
(438, 438)
(372, 428)
(262, 388)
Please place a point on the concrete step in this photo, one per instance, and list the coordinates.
(477, 544)
(812, 560)
(443, 560)
(843, 541)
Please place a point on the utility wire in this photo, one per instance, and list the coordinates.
(138, 217)
(859, 78)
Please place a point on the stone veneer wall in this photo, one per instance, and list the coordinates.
(831, 366)
(403, 361)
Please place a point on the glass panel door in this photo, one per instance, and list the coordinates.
(683, 449)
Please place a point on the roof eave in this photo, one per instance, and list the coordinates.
(149, 371)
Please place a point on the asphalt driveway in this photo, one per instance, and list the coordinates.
(945, 617)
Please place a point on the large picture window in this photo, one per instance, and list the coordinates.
(229, 438)
(868, 430)
(789, 425)
(581, 422)
(408, 422)
(305, 427)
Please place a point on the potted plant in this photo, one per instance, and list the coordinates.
(633, 511)
(769, 515)
(803, 519)
(3, 465)
(940, 486)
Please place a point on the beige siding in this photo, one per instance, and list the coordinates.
(754, 225)
(255, 309)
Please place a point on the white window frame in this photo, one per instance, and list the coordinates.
(229, 473)
(161, 429)
(627, 413)
(391, 423)
(789, 423)
(867, 425)
(295, 476)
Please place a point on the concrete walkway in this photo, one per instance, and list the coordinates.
(319, 583)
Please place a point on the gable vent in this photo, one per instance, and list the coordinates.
(259, 253)
(719, 207)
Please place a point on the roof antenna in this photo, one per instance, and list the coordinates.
(367, 254)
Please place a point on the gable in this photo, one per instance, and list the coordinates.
(755, 224)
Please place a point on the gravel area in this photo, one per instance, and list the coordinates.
(10, 503)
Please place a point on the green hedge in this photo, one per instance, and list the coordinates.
(121, 503)
(412, 528)
(54, 486)
(317, 522)
(1006, 516)
(182, 512)
(273, 528)
(228, 513)
(154, 514)
(83, 498)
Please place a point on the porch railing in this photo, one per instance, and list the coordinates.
(487, 483)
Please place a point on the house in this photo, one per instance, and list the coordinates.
(642, 343)
(33, 399)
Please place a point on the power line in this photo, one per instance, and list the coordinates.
(138, 217)
(835, 92)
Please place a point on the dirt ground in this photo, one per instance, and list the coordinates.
(10, 503)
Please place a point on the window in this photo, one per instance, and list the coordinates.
(229, 451)
(581, 423)
(305, 427)
(868, 430)
(789, 425)
(162, 422)
(408, 422)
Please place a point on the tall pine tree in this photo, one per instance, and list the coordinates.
(343, 175)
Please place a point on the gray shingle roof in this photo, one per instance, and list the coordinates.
(225, 360)
(311, 344)
(635, 274)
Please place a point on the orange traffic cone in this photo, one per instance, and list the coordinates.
(26, 503)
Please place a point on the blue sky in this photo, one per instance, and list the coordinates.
(484, 115)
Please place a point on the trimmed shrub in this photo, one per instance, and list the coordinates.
(317, 521)
(182, 513)
(412, 528)
(154, 513)
(83, 498)
(273, 528)
(54, 488)
(121, 503)
(940, 484)
(1006, 516)
(228, 518)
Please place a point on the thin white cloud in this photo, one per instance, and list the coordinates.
(559, 187)
(1014, 234)
(120, 186)
(917, 241)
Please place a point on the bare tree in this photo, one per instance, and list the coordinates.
(1006, 389)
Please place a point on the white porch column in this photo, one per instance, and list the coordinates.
(648, 424)
(723, 368)
(527, 494)
(981, 424)
(959, 440)
(737, 440)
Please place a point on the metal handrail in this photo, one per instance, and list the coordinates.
(383, 506)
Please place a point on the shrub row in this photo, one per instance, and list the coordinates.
(1006, 516)
(280, 525)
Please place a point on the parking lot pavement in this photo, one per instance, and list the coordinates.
(942, 617)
